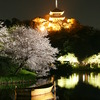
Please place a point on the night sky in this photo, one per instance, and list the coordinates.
(87, 12)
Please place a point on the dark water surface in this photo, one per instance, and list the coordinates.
(84, 86)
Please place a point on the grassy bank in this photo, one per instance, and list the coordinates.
(23, 76)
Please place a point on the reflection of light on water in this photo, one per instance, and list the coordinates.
(94, 80)
(70, 82)
(83, 77)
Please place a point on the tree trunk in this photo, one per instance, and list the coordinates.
(21, 65)
(19, 68)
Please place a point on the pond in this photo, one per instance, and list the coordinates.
(76, 86)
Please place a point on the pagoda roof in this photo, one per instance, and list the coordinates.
(56, 16)
(57, 10)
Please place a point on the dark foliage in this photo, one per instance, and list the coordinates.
(62, 69)
(7, 67)
(15, 21)
(84, 41)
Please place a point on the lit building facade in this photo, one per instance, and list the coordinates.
(56, 14)
(54, 21)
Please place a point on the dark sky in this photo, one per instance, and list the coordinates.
(87, 12)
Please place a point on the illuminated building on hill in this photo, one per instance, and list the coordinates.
(54, 21)
(56, 14)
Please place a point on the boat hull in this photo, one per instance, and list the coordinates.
(47, 96)
(40, 91)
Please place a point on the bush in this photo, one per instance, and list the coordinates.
(7, 66)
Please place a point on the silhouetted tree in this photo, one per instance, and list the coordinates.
(8, 23)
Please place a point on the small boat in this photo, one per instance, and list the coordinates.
(36, 89)
(42, 89)
(47, 96)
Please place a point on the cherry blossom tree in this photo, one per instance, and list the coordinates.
(3, 36)
(29, 47)
(92, 60)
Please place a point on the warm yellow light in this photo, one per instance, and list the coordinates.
(92, 60)
(42, 28)
(94, 80)
(68, 20)
(71, 21)
(56, 19)
(70, 57)
(49, 25)
(55, 22)
(39, 20)
(51, 13)
(70, 82)
(56, 13)
(67, 26)
(46, 96)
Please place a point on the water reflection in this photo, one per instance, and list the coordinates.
(78, 86)
(94, 79)
(89, 78)
(70, 82)
(7, 94)
(41, 90)
(47, 96)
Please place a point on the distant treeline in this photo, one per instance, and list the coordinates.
(83, 41)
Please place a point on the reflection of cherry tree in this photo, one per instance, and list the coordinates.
(94, 59)
(4, 36)
(94, 79)
(70, 82)
(30, 48)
